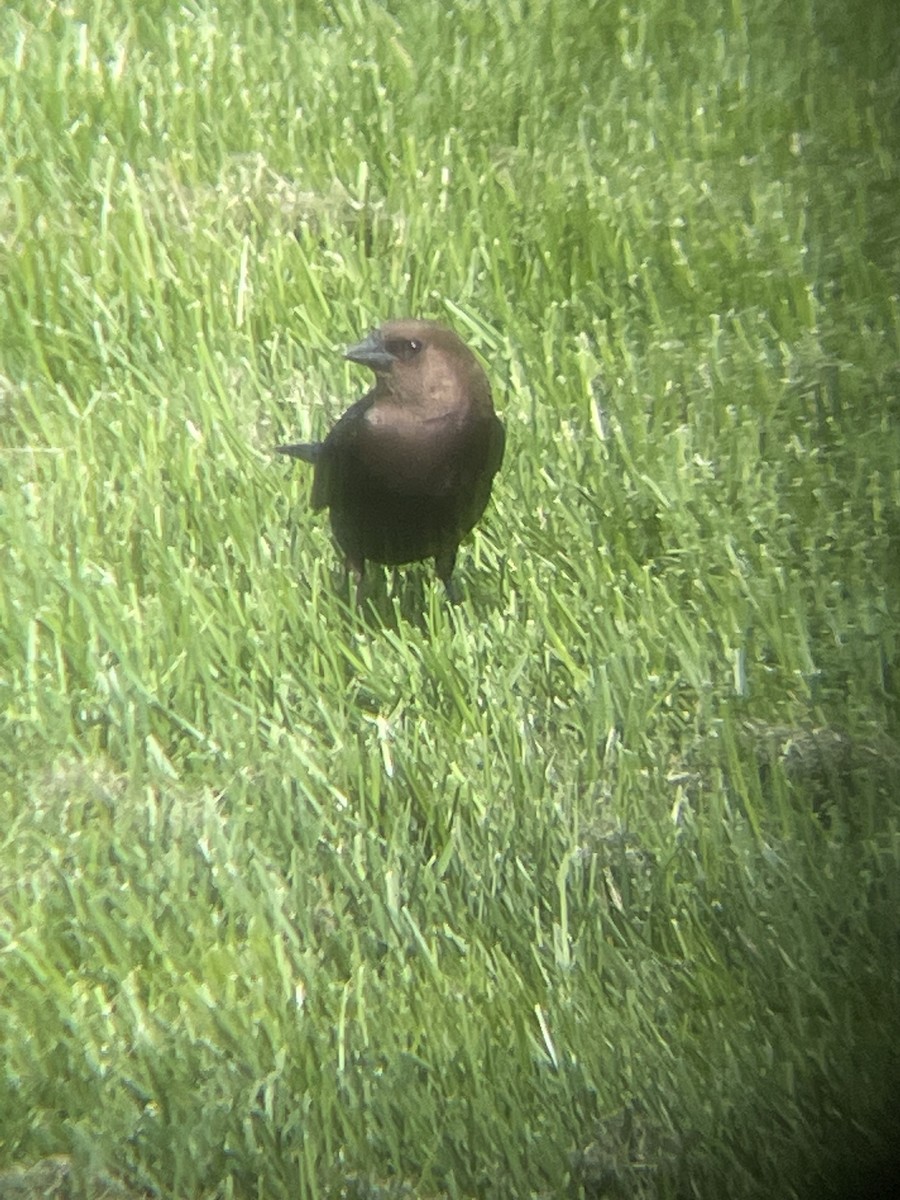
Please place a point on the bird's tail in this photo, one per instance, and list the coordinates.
(308, 451)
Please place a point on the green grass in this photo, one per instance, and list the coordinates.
(588, 886)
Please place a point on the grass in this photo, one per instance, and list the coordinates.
(588, 886)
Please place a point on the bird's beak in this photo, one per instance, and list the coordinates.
(371, 352)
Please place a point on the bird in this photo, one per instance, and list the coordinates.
(406, 472)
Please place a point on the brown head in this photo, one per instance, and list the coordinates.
(423, 365)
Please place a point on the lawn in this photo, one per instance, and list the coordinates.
(587, 886)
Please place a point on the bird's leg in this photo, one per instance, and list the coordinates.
(443, 566)
(357, 568)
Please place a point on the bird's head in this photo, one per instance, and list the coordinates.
(422, 362)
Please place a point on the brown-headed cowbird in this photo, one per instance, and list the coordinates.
(407, 471)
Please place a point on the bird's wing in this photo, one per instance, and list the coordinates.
(334, 451)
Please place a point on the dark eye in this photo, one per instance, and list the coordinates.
(405, 349)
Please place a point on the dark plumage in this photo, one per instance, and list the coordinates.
(406, 472)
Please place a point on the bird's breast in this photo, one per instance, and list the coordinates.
(411, 453)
